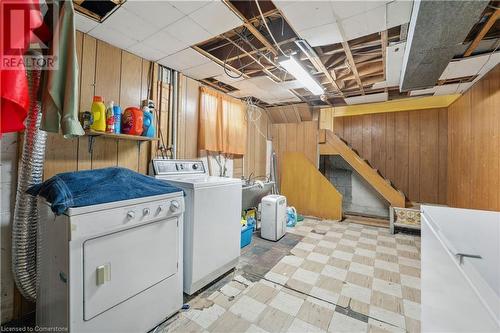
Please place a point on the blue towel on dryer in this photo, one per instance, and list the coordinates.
(92, 187)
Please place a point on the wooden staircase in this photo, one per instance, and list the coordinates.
(333, 145)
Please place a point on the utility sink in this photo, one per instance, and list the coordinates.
(252, 193)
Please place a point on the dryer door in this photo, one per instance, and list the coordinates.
(120, 265)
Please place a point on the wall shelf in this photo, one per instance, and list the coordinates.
(137, 138)
(92, 133)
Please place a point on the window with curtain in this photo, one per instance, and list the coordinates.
(222, 123)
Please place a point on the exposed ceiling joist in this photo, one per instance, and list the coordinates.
(262, 49)
(257, 61)
(249, 25)
(484, 30)
(352, 64)
(219, 62)
(315, 60)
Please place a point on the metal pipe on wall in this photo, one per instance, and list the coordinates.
(30, 172)
(175, 112)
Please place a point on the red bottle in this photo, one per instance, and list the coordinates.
(132, 121)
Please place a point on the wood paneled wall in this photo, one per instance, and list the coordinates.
(409, 148)
(474, 146)
(257, 135)
(117, 76)
(187, 122)
(296, 137)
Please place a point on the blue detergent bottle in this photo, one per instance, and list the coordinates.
(117, 113)
(148, 124)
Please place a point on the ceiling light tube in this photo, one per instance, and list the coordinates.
(295, 68)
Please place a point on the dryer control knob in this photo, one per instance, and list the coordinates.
(146, 211)
(174, 205)
(131, 215)
(159, 210)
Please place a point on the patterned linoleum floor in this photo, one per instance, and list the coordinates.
(323, 277)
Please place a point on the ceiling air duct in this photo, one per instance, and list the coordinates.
(437, 28)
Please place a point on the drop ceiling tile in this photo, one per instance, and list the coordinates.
(465, 67)
(346, 9)
(492, 61)
(129, 24)
(242, 84)
(157, 13)
(204, 71)
(263, 82)
(164, 42)
(238, 94)
(463, 87)
(187, 31)
(189, 6)
(216, 18)
(322, 35)
(83, 23)
(364, 24)
(266, 90)
(291, 84)
(455, 88)
(303, 15)
(111, 36)
(398, 12)
(184, 59)
(394, 63)
(144, 51)
(447, 89)
(373, 98)
(423, 91)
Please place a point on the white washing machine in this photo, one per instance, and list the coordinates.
(212, 228)
(111, 267)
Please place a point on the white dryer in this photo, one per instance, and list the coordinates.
(212, 228)
(111, 267)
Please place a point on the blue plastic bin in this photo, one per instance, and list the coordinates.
(246, 235)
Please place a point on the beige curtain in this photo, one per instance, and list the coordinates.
(234, 126)
(222, 123)
(209, 125)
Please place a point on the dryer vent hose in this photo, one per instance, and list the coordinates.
(30, 172)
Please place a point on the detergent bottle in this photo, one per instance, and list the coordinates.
(98, 114)
(132, 121)
(148, 123)
(110, 118)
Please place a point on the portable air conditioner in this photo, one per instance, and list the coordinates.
(273, 217)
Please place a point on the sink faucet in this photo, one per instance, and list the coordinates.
(249, 179)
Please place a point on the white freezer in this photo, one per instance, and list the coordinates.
(460, 294)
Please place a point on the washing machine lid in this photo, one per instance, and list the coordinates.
(200, 181)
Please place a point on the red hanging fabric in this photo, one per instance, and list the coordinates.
(13, 83)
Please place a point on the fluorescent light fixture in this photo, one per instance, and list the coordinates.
(293, 67)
